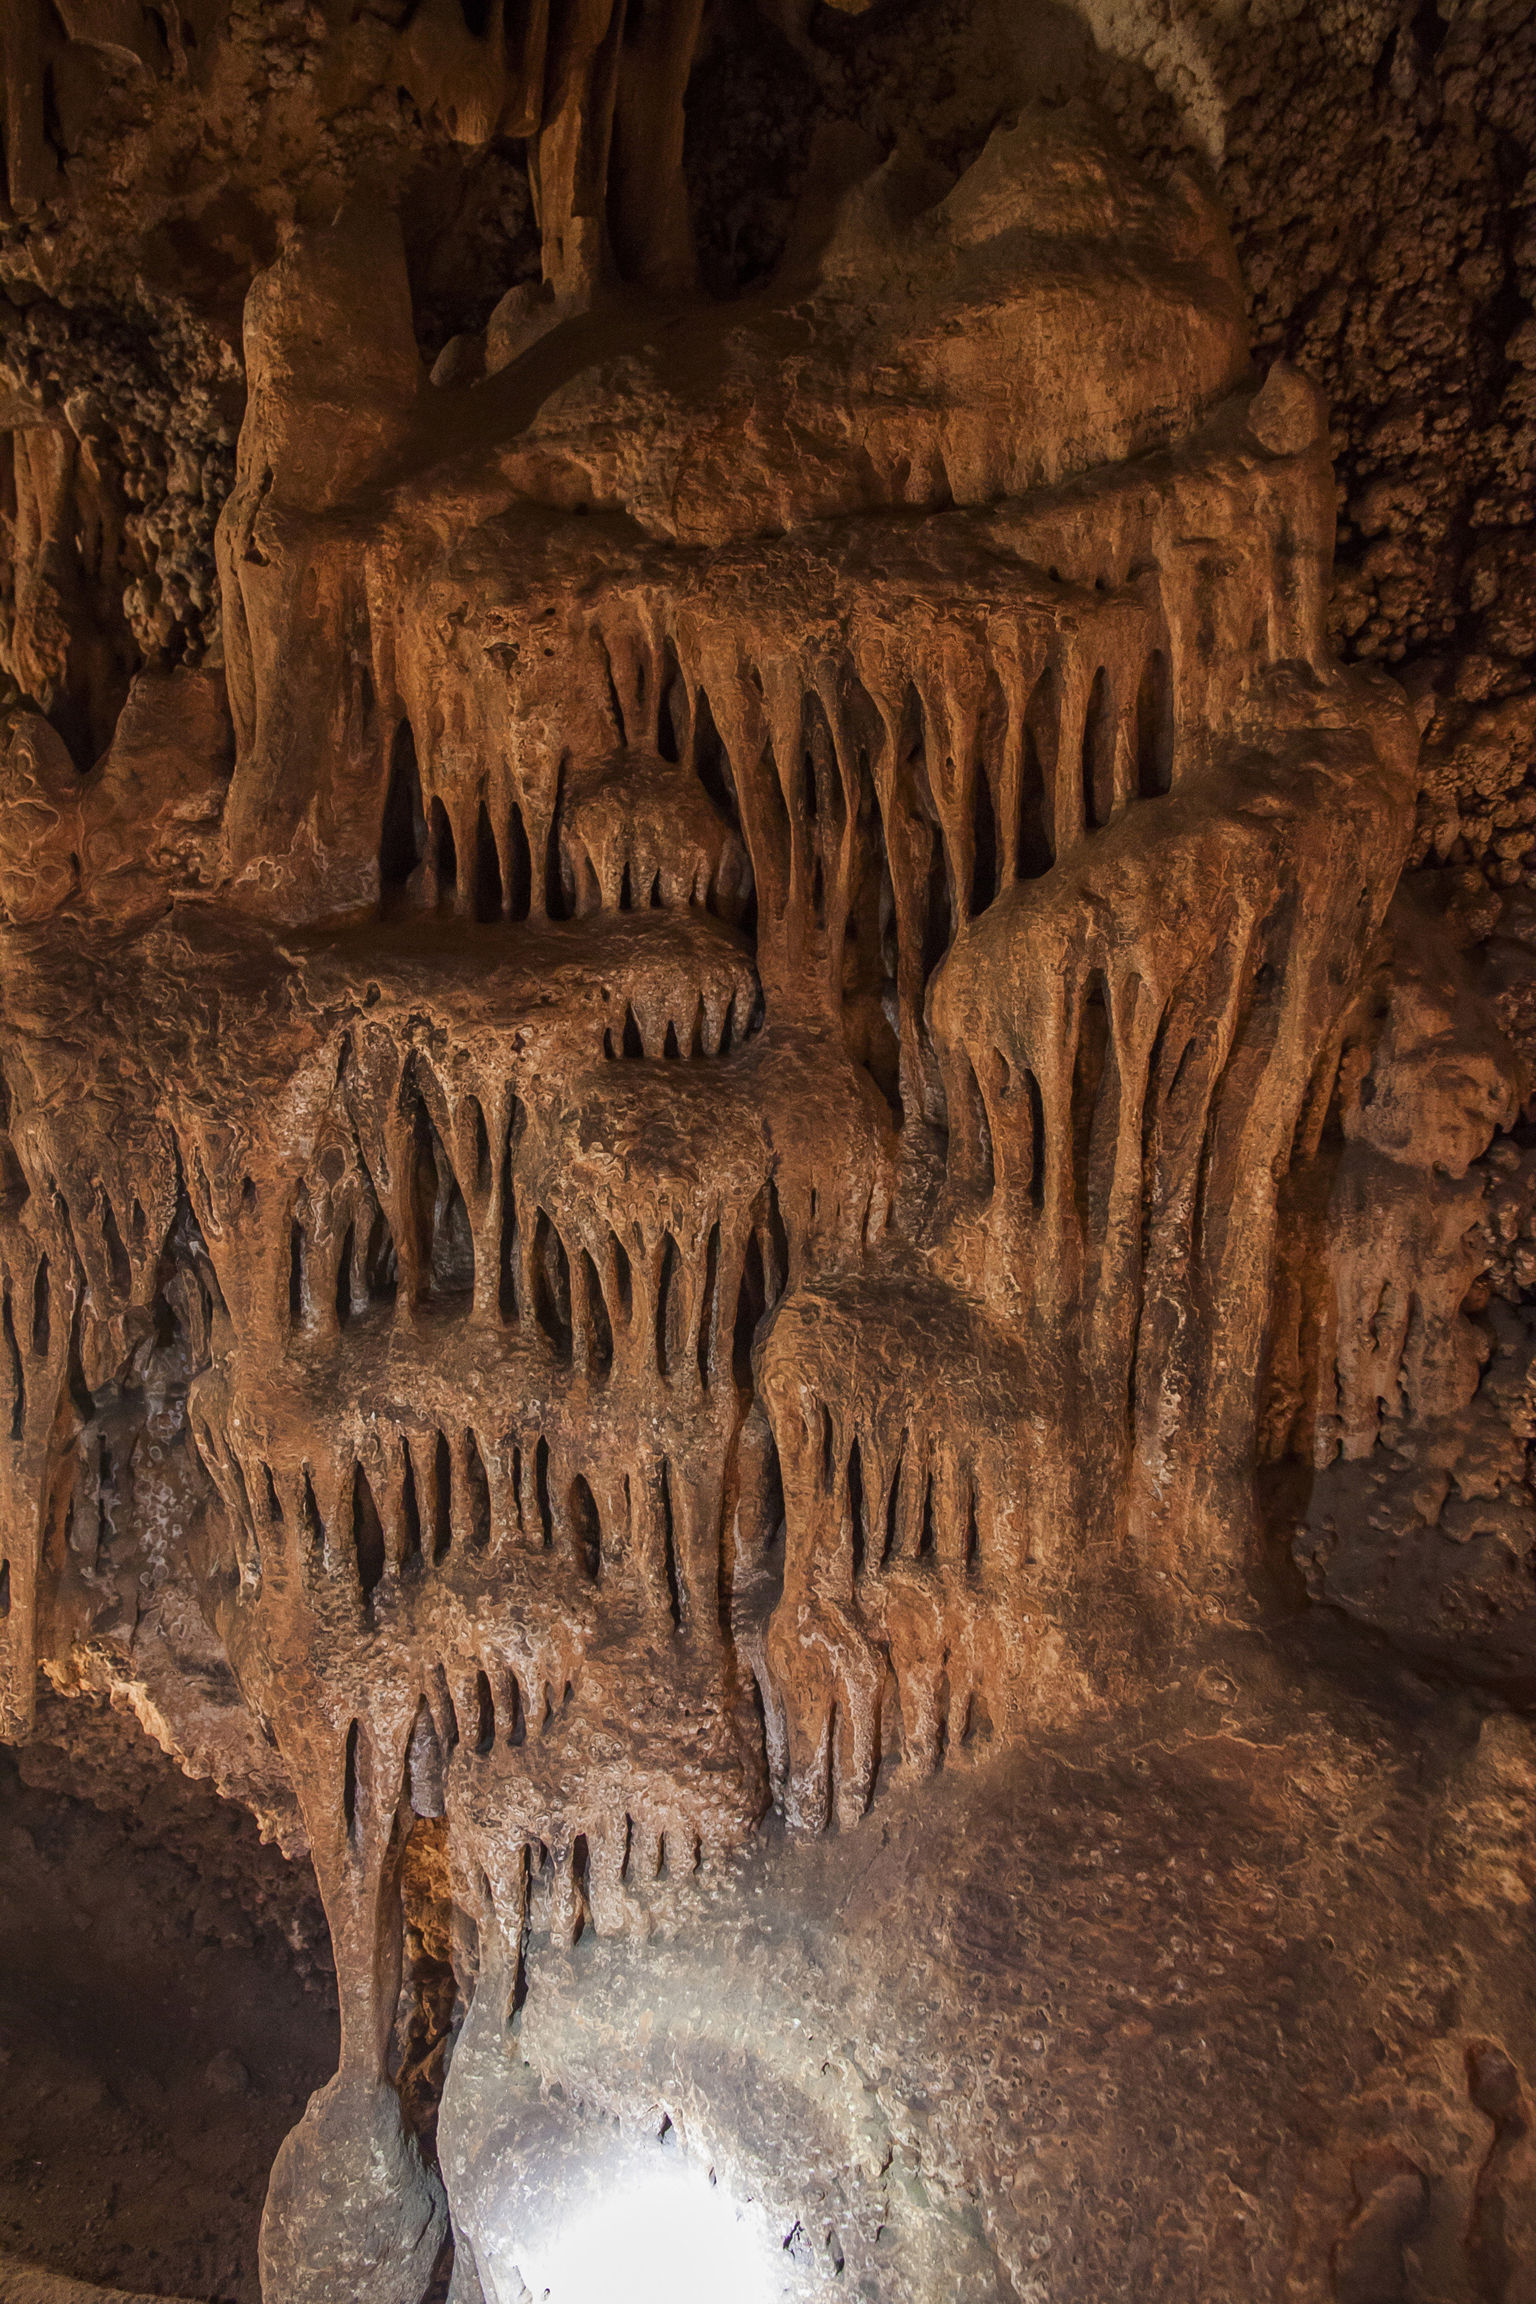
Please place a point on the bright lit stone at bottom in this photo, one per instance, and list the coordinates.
(670, 2237)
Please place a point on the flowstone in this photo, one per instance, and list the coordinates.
(676, 1183)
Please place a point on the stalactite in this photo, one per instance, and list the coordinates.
(719, 1118)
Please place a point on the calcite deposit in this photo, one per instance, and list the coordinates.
(747, 1243)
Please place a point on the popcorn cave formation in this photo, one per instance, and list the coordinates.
(757, 1249)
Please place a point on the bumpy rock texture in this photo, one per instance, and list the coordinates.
(765, 1236)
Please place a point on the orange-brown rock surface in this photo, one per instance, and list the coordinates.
(751, 1246)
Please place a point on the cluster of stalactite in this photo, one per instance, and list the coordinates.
(596, 89)
(483, 1311)
(1383, 1229)
(103, 560)
(904, 829)
(849, 815)
(703, 1149)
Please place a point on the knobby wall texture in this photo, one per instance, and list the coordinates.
(767, 1235)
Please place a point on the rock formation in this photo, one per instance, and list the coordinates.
(738, 1115)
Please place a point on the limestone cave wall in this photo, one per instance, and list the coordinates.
(767, 1231)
